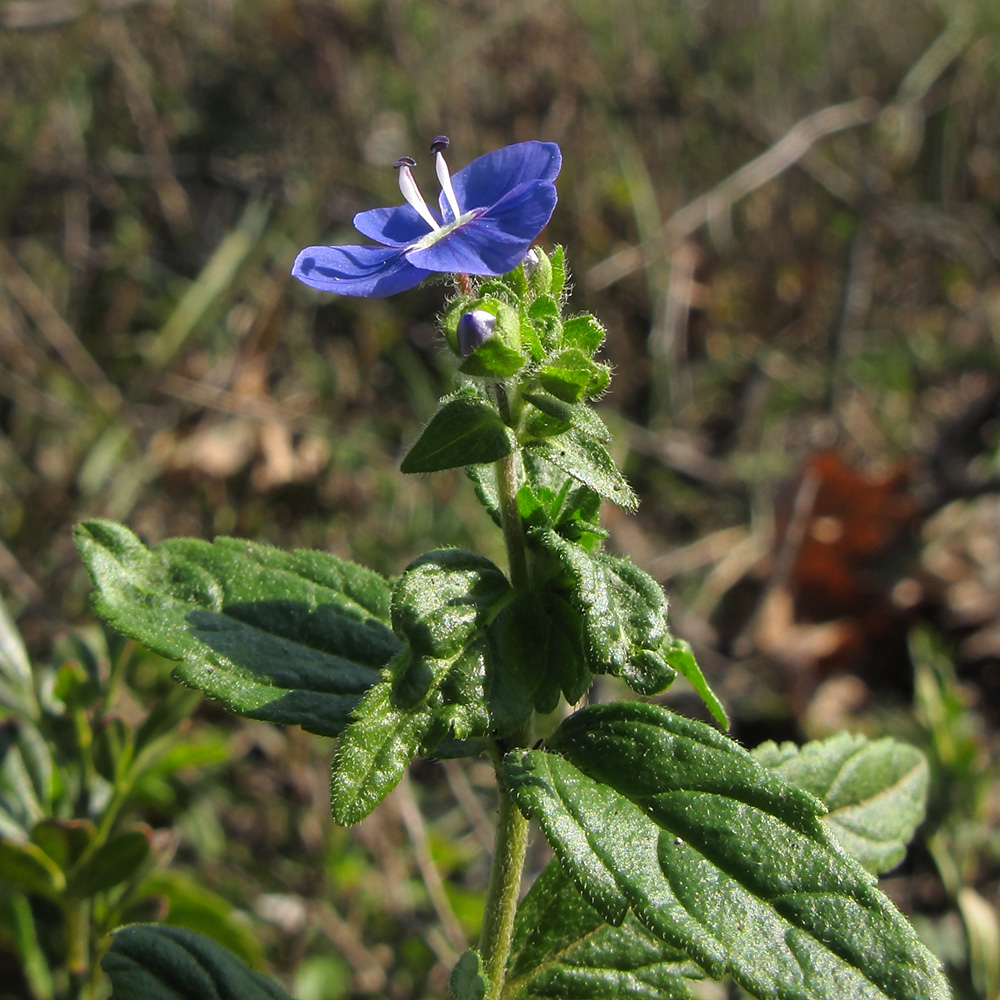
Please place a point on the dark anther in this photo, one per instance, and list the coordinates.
(404, 161)
(440, 144)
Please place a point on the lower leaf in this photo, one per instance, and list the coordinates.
(563, 947)
(150, 962)
(717, 856)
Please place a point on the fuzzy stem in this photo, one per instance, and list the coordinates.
(508, 473)
(512, 827)
(501, 897)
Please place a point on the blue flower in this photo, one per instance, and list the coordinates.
(489, 213)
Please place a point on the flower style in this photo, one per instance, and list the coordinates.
(489, 212)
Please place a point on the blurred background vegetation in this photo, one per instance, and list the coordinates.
(785, 212)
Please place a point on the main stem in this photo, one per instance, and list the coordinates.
(512, 827)
(504, 888)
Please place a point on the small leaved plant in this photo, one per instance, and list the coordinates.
(679, 855)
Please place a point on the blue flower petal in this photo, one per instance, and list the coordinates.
(496, 241)
(395, 227)
(487, 179)
(371, 272)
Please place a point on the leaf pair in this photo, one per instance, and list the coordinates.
(716, 856)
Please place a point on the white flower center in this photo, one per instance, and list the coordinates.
(416, 200)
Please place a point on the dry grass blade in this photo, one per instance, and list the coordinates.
(713, 204)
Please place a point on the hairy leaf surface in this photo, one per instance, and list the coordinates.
(586, 460)
(623, 609)
(716, 855)
(288, 637)
(426, 702)
(464, 431)
(563, 947)
(147, 962)
(876, 791)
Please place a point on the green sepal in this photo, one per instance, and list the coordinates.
(876, 791)
(468, 978)
(493, 359)
(539, 272)
(449, 318)
(544, 316)
(563, 947)
(716, 855)
(530, 338)
(586, 460)
(465, 430)
(443, 597)
(678, 654)
(559, 273)
(516, 281)
(571, 375)
(151, 962)
(286, 637)
(500, 356)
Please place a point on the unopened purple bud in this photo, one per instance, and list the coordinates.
(531, 262)
(474, 329)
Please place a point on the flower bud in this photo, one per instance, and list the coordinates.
(538, 271)
(474, 329)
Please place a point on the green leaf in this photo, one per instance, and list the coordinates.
(571, 375)
(287, 637)
(17, 690)
(585, 332)
(63, 840)
(465, 431)
(563, 947)
(114, 862)
(623, 609)
(443, 597)
(27, 774)
(587, 461)
(718, 856)
(440, 699)
(30, 869)
(467, 980)
(876, 791)
(578, 415)
(484, 480)
(190, 905)
(678, 653)
(537, 651)
(148, 962)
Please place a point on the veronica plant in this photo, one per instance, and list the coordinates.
(679, 855)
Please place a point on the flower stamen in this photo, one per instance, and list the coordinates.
(438, 146)
(412, 193)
